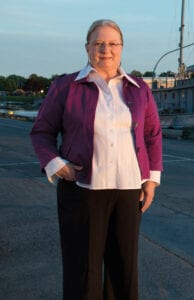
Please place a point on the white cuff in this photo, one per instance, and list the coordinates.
(53, 167)
(154, 176)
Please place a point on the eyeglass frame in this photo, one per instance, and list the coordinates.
(100, 45)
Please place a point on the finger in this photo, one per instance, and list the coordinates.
(68, 171)
(146, 205)
(59, 176)
(141, 196)
(70, 176)
(64, 174)
(75, 167)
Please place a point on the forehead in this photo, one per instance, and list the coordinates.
(105, 32)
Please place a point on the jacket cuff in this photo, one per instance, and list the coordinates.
(155, 176)
(54, 166)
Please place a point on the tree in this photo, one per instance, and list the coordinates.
(37, 84)
(136, 73)
(10, 84)
(19, 80)
(2, 83)
(167, 74)
(149, 74)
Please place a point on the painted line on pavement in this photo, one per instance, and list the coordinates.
(11, 164)
(173, 158)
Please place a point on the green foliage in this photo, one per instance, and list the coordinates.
(37, 84)
(167, 74)
(34, 83)
(148, 74)
(136, 73)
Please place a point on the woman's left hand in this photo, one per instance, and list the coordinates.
(147, 194)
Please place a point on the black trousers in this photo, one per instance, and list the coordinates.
(99, 232)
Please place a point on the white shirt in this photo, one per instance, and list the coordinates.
(114, 164)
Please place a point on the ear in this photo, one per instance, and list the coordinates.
(86, 47)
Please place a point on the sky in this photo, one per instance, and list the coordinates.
(47, 37)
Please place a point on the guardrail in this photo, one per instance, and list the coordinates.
(19, 114)
(177, 121)
(173, 126)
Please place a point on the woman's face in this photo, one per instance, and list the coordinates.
(104, 49)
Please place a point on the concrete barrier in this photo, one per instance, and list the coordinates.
(172, 133)
(166, 121)
(177, 121)
(19, 114)
(183, 121)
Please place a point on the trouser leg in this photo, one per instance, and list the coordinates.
(90, 222)
(73, 224)
(100, 204)
(83, 219)
(121, 254)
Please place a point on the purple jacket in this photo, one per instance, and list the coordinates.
(69, 109)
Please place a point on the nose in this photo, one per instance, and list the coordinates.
(104, 47)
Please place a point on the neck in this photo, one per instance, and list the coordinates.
(108, 75)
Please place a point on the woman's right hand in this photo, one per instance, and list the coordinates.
(68, 171)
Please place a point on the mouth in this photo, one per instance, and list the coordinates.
(105, 58)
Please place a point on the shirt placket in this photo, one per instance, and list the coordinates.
(112, 140)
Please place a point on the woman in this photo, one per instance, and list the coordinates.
(108, 165)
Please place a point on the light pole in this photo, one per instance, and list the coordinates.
(181, 70)
(154, 69)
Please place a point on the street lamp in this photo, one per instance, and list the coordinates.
(154, 69)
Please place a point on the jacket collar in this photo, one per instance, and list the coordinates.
(88, 69)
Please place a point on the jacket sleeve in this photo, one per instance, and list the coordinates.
(48, 124)
(153, 134)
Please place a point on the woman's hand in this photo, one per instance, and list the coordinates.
(68, 171)
(147, 194)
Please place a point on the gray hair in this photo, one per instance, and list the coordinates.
(101, 23)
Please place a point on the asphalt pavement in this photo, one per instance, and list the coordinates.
(30, 258)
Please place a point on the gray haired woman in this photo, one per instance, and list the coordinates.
(106, 168)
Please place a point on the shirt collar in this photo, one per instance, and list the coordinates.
(88, 69)
(85, 72)
(128, 77)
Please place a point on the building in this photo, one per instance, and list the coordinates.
(160, 82)
(177, 99)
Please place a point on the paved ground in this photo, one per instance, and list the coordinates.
(30, 261)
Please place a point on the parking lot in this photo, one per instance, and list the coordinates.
(30, 259)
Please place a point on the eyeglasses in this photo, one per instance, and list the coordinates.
(111, 45)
